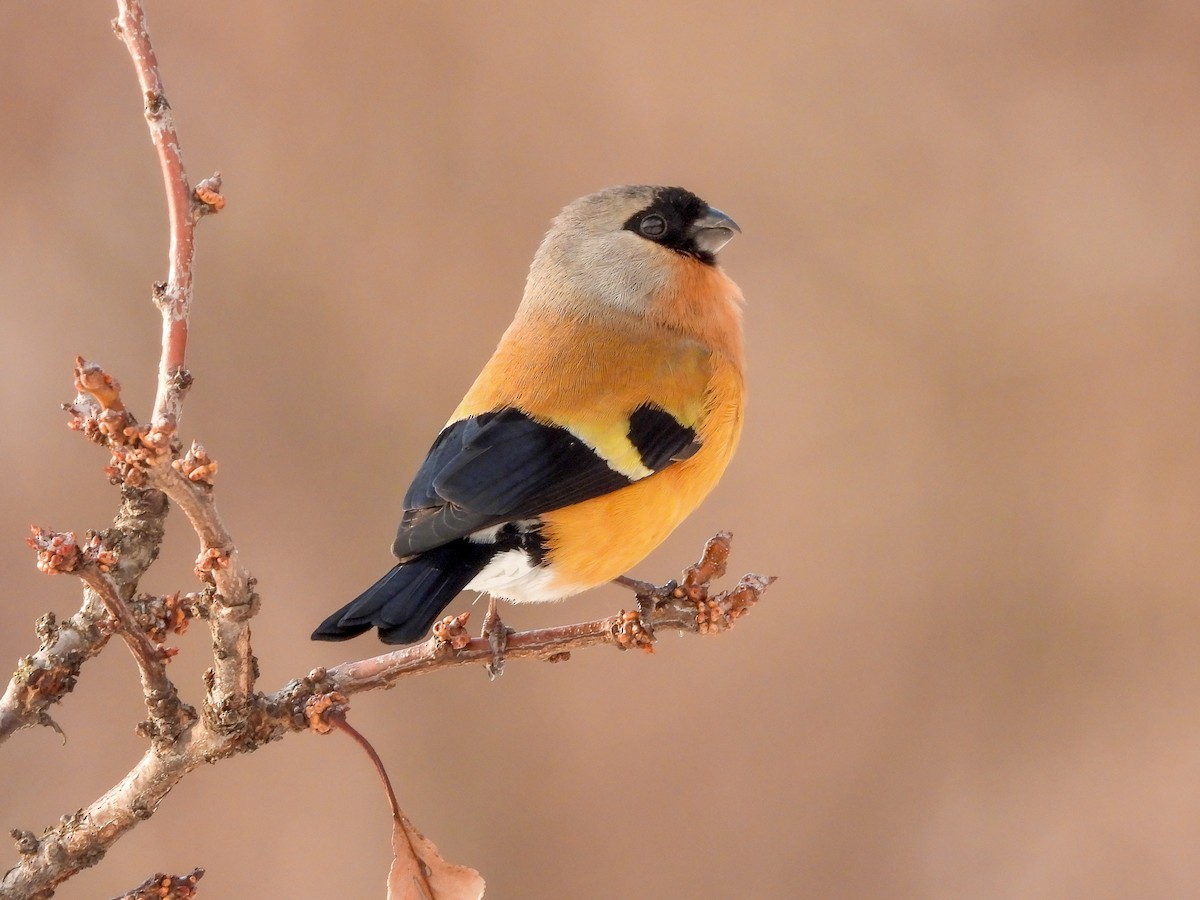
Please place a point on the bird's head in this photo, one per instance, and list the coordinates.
(623, 245)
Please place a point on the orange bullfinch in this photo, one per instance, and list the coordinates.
(609, 410)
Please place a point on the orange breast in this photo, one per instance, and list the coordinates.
(597, 540)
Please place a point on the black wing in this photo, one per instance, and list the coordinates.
(502, 466)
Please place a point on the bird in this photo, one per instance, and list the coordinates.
(609, 410)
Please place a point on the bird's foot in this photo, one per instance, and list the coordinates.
(649, 596)
(687, 604)
(496, 633)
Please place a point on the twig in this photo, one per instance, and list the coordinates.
(61, 552)
(234, 601)
(683, 610)
(174, 296)
(140, 457)
(168, 715)
(149, 660)
(166, 887)
(233, 671)
(81, 839)
(43, 678)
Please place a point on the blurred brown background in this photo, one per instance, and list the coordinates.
(971, 260)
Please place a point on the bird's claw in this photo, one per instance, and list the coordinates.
(496, 633)
(648, 596)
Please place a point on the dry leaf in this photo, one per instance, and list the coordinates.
(419, 872)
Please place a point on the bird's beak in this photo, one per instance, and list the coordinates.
(713, 230)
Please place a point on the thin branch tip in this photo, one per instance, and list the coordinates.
(161, 886)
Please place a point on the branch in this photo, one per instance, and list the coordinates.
(233, 672)
(165, 887)
(174, 296)
(685, 607)
(92, 562)
(307, 703)
(168, 715)
(149, 658)
(140, 456)
(188, 482)
(81, 839)
(46, 676)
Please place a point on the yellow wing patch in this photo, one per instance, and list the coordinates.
(540, 370)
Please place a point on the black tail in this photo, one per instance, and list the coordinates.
(405, 602)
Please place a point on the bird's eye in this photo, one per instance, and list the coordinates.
(653, 226)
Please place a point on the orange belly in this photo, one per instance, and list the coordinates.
(595, 541)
